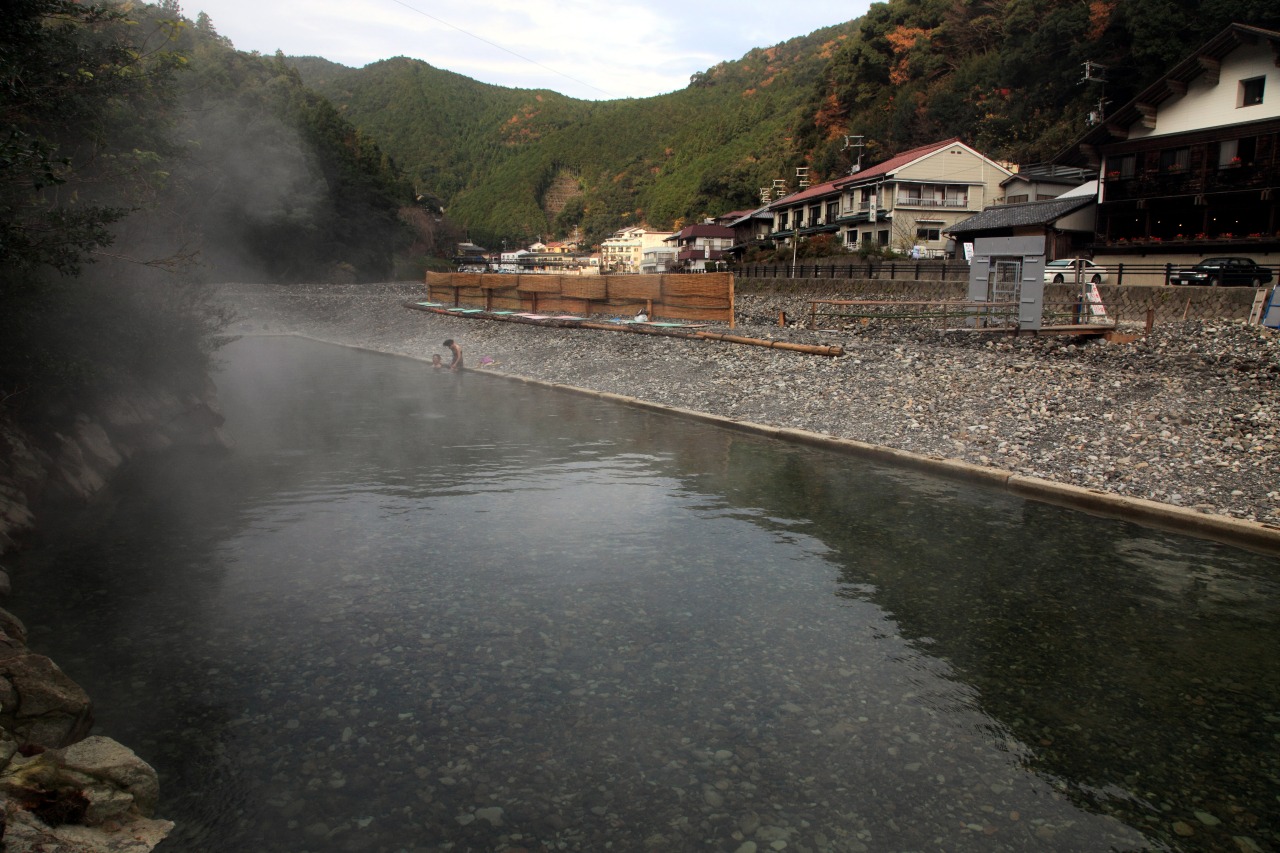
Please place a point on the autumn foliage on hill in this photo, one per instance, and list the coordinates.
(1004, 75)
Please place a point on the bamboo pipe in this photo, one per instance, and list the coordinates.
(811, 349)
(808, 349)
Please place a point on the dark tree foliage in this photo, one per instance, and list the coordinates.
(84, 108)
(1005, 75)
(86, 101)
(141, 154)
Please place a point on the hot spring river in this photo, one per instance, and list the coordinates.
(414, 611)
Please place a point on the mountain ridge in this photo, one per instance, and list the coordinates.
(1004, 75)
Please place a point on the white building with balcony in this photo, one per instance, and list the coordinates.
(904, 203)
(624, 251)
(658, 259)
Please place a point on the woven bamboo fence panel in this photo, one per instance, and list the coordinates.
(635, 286)
(577, 287)
(563, 305)
(506, 300)
(703, 297)
(710, 284)
(538, 283)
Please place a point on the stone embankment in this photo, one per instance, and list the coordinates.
(1187, 416)
(62, 790)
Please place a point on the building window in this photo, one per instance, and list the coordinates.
(782, 222)
(815, 213)
(928, 232)
(1237, 152)
(882, 238)
(1175, 159)
(851, 238)
(1016, 199)
(1251, 91)
(833, 211)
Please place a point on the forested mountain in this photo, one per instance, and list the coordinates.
(1004, 75)
(519, 164)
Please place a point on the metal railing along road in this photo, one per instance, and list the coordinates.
(952, 270)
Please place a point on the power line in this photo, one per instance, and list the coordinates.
(505, 49)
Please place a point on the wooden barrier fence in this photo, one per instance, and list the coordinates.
(707, 297)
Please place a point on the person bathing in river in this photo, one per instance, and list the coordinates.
(436, 362)
(456, 364)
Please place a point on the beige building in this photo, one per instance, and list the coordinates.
(904, 203)
(624, 251)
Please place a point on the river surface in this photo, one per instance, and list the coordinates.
(418, 611)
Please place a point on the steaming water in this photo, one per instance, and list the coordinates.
(417, 611)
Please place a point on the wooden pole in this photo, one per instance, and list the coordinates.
(810, 349)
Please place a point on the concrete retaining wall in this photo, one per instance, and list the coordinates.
(1125, 303)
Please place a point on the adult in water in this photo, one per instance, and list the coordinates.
(456, 364)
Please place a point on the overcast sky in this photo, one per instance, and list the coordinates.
(582, 48)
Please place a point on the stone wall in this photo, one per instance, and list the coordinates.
(1125, 303)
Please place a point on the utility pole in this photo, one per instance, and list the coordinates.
(1096, 73)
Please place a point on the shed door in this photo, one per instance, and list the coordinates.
(1004, 284)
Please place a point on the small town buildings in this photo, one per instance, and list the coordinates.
(904, 203)
(699, 247)
(1066, 223)
(624, 251)
(751, 229)
(1191, 166)
(470, 258)
(1043, 181)
(658, 259)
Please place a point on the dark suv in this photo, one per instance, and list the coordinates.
(1223, 271)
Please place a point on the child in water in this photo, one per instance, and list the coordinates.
(456, 364)
(436, 362)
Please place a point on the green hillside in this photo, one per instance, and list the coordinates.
(1004, 75)
(516, 164)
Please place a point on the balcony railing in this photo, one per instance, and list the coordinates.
(915, 201)
(1174, 183)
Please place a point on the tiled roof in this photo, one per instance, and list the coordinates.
(1021, 215)
(758, 213)
(702, 230)
(887, 167)
(894, 163)
(804, 195)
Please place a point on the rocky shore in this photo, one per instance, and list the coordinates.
(1189, 415)
(63, 790)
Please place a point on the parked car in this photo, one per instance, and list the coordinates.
(1223, 272)
(1064, 270)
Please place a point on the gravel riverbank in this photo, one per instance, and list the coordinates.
(1188, 416)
